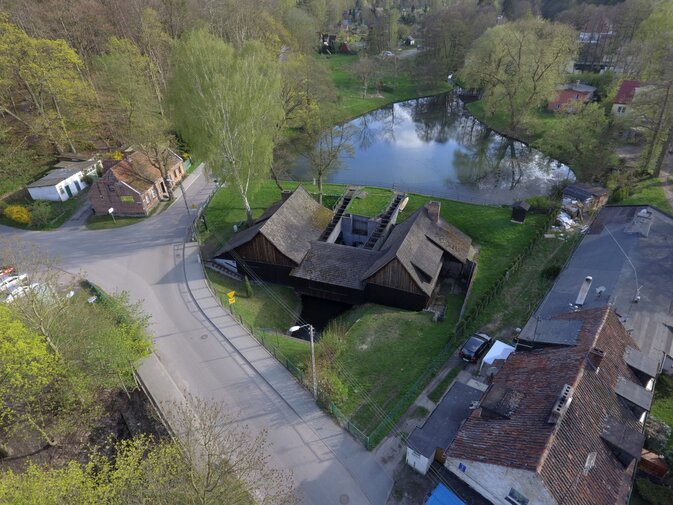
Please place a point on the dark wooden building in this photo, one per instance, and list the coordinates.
(278, 240)
(519, 212)
(398, 265)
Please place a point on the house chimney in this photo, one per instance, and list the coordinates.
(563, 401)
(584, 291)
(285, 194)
(433, 210)
(595, 358)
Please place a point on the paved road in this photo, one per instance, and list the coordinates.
(200, 350)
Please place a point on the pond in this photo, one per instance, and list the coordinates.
(433, 146)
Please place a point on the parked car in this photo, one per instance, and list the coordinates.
(19, 291)
(474, 347)
(10, 281)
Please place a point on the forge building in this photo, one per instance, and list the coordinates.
(343, 257)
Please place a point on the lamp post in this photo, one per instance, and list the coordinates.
(310, 332)
(112, 215)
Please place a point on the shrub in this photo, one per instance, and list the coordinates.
(551, 272)
(620, 194)
(248, 287)
(655, 495)
(41, 213)
(18, 214)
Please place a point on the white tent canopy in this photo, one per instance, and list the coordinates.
(499, 350)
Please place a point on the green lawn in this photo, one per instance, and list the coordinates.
(350, 100)
(650, 192)
(662, 406)
(105, 222)
(540, 121)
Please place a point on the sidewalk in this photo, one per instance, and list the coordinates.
(363, 467)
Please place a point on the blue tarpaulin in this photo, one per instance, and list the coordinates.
(443, 496)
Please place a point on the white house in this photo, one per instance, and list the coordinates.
(64, 181)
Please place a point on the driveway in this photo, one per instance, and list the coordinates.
(198, 351)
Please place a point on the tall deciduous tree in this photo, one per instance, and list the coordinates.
(43, 77)
(653, 43)
(519, 64)
(132, 96)
(227, 105)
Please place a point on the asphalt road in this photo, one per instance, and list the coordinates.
(212, 360)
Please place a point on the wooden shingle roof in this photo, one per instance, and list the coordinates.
(290, 226)
(558, 452)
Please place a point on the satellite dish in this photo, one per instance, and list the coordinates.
(600, 290)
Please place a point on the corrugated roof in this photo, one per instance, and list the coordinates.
(53, 177)
(626, 92)
(558, 452)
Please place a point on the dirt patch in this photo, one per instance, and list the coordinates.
(121, 417)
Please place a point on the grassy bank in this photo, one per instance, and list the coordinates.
(395, 86)
(58, 212)
(649, 191)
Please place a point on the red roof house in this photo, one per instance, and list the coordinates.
(627, 90)
(568, 95)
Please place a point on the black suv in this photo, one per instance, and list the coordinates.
(474, 347)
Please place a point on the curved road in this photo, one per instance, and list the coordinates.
(200, 350)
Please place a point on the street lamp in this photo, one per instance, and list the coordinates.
(112, 215)
(310, 332)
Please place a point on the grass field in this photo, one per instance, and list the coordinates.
(651, 192)
(60, 212)
(385, 351)
(395, 87)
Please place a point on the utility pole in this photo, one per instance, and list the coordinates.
(315, 379)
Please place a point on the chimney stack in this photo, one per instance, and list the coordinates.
(433, 210)
(584, 291)
(595, 357)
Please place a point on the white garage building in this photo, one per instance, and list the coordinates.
(64, 181)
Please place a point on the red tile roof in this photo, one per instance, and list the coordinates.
(626, 92)
(558, 452)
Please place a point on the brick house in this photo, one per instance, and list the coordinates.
(132, 186)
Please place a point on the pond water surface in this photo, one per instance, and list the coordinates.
(435, 147)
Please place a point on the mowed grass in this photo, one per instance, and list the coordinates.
(396, 86)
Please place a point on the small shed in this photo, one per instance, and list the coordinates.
(519, 212)
(65, 181)
(592, 197)
(409, 41)
(442, 495)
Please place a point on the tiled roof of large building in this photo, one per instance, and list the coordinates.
(597, 421)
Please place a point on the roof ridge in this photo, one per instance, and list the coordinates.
(575, 384)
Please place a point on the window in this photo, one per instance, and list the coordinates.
(516, 498)
(621, 109)
(154, 193)
(127, 199)
(61, 190)
(147, 199)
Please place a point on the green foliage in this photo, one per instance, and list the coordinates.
(518, 65)
(227, 107)
(581, 140)
(654, 494)
(551, 272)
(18, 214)
(28, 368)
(45, 75)
(438, 392)
(41, 212)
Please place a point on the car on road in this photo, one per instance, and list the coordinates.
(474, 347)
(19, 291)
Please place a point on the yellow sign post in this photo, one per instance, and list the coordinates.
(231, 295)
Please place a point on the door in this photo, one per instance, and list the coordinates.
(79, 188)
(68, 190)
